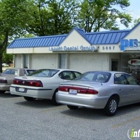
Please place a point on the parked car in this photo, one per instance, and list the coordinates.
(106, 90)
(42, 84)
(7, 77)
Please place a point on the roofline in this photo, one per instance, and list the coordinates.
(75, 28)
(52, 36)
(132, 29)
(113, 31)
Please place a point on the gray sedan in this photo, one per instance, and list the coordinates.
(7, 77)
(106, 90)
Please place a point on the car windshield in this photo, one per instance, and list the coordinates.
(97, 76)
(44, 73)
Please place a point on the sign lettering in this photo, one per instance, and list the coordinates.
(74, 48)
(131, 44)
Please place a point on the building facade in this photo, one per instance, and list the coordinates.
(107, 50)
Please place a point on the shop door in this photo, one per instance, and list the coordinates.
(62, 61)
(114, 65)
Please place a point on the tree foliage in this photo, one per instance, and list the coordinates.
(136, 21)
(50, 17)
(102, 14)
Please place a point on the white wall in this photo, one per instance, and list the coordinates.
(91, 61)
(18, 61)
(134, 34)
(75, 39)
(78, 61)
(38, 61)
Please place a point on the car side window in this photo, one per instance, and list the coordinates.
(100, 78)
(66, 75)
(120, 79)
(131, 80)
(77, 74)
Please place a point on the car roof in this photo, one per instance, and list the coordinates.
(108, 71)
(58, 69)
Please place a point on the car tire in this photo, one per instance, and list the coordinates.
(71, 107)
(111, 106)
(54, 99)
(29, 98)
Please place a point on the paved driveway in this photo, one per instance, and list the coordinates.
(40, 120)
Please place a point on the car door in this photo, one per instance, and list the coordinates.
(122, 88)
(134, 88)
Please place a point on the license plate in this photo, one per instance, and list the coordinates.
(72, 91)
(21, 89)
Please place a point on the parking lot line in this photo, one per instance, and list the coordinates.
(126, 122)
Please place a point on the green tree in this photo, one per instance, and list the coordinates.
(13, 13)
(51, 17)
(7, 58)
(99, 14)
(136, 21)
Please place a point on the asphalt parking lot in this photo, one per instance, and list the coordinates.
(40, 120)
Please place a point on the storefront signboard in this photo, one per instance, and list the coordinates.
(129, 44)
(74, 48)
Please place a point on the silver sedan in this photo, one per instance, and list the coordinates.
(42, 84)
(106, 90)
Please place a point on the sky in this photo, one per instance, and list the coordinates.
(134, 11)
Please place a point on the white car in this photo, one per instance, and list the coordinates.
(42, 84)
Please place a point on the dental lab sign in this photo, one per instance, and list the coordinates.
(131, 44)
(73, 48)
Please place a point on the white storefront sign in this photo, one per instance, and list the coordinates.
(74, 48)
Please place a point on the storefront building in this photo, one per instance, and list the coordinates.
(107, 50)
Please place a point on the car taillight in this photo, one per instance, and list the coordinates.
(34, 83)
(3, 81)
(63, 88)
(78, 89)
(16, 81)
(133, 61)
(91, 91)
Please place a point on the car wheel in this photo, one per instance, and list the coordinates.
(29, 98)
(111, 106)
(71, 107)
(54, 99)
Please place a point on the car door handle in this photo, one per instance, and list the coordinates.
(120, 89)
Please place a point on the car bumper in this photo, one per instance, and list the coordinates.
(32, 92)
(4, 87)
(89, 101)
